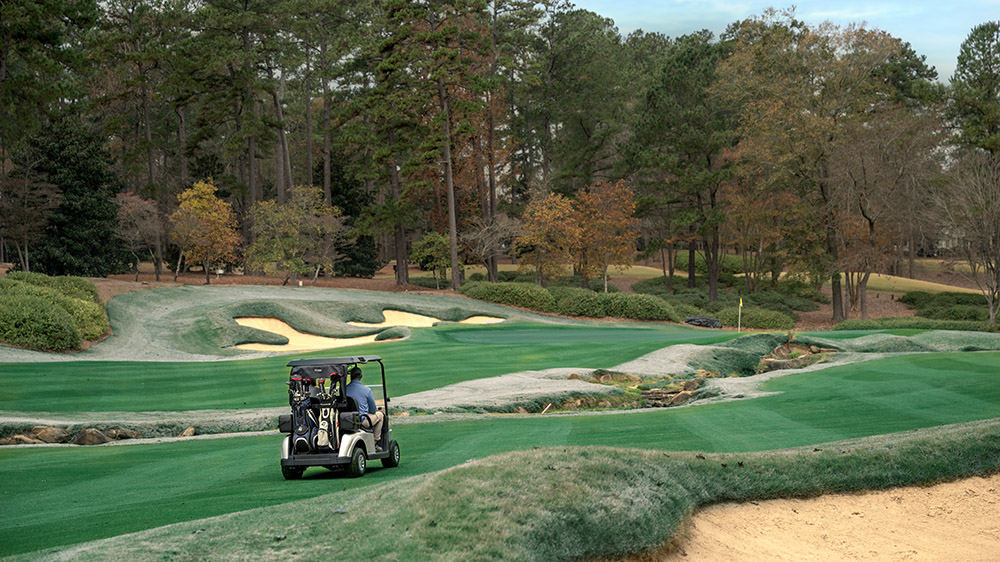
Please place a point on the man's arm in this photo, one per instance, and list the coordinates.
(371, 402)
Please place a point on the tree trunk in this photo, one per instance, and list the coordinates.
(399, 236)
(449, 185)
(182, 144)
(692, 245)
(177, 270)
(309, 125)
(148, 132)
(208, 279)
(327, 194)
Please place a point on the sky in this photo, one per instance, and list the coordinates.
(935, 28)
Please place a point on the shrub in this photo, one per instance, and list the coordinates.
(33, 322)
(69, 285)
(525, 295)
(956, 312)
(581, 302)
(916, 323)
(88, 317)
(756, 318)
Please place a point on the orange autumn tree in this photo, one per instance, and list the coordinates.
(608, 229)
(204, 226)
(551, 232)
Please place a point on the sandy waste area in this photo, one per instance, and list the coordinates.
(952, 522)
(301, 341)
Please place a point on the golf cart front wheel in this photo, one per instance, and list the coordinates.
(392, 460)
(359, 462)
(292, 472)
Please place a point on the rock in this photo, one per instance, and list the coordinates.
(692, 384)
(20, 440)
(703, 321)
(51, 434)
(89, 436)
(680, 398)
(117, 434)
(574, 377)
(604, 404)
(521, 410)
(189, 432)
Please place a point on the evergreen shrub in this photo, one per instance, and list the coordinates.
(88, 317)
(756, 318)
(525, 295)
(33, 322)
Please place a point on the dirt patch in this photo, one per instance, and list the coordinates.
(952, 521)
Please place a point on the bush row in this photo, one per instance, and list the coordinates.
(947, 306)
(916, 323)
(582, 302)
(756, 318)
(572, 301)
(524, 295)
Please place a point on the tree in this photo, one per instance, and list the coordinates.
(608, 229)
(550, 235)
(204, 227)
(24, 213)
(682, 140)
(976, 88)
(140, 228)
(81, 237)
(884, 160)
(797, 89)
(971, 207)
(489, 238)
(432, 253)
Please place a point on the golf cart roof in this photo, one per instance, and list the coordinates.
(317, 361)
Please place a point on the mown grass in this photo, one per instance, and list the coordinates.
(566, 503)
(431, 358)
(90, 493)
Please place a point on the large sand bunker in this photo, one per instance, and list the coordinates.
(301, 341)
(953, 521)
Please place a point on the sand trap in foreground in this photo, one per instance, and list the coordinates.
(953, 521)
(301, 341)
(410, 320)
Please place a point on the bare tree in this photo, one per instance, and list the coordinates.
(971, 207)
(24, 207)
(488, 239)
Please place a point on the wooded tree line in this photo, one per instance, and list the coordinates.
(813, 149)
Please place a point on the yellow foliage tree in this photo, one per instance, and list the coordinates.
(204, 226)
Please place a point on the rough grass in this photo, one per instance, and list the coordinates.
(555, 503)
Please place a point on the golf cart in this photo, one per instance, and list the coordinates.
(325, 427)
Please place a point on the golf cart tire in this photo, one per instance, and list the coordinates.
(392, 461)
(359, 462)
(292, 472)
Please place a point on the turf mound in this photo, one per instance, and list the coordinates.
(565, 503)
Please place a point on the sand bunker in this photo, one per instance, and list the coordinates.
(952, 521)
(301, 341)
(297, 341)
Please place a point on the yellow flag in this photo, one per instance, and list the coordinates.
(741, 302)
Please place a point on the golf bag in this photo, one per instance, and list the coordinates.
(312, 413)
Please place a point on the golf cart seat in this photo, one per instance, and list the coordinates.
(350, 418)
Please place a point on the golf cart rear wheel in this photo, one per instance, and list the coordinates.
(292, 472)
(392, 460)
(359, 462)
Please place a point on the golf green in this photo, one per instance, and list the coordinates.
(431, 358)
(90, 493)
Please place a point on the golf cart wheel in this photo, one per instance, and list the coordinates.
(392, 461)
(292, 472)
(359, 462)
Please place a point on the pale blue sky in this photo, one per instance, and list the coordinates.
(933, 28)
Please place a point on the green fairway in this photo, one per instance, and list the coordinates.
(89, 493)
(431, 358)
